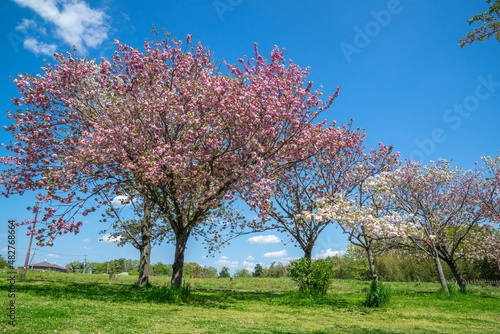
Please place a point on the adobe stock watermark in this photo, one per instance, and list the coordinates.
(223, 6)
(363, 37)
(11, 259)
(455, 117)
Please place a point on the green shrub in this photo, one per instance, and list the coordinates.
(312, 279)
(379, 294)
(170, 294)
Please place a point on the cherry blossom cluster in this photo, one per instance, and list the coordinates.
(366, 218)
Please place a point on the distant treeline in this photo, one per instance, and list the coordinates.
(352, 265)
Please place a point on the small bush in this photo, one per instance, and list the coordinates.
(170, 294)
(378, 295)
(312, 279)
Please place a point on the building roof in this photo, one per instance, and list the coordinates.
(45, 264)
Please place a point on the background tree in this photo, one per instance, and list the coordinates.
(351, 265)
(161, 269)
(209, 272)
(76, 267)
(491, 27)
(3, 263)
(97, 267)
(243, 273)
(276, 270)
(258, 270)
(193, 270)
(224, 272)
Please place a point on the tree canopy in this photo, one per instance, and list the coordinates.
(490, 28)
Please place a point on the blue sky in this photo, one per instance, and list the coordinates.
(403, 78)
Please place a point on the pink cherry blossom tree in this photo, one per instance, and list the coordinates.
(165, 123)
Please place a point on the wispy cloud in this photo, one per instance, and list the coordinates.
(54, 256)
(27, 26)
(264, 239)
(223, 261)
(276, 254)
(248, 264)
(250, 258)
(87, 240)
(73, 20)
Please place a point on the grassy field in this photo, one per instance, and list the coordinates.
(67, 303)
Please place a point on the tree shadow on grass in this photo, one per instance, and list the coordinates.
(210, 299)
(362, 330)
(289, 299)
(89, 291)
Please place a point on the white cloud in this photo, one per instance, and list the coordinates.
(33, 45)
(75, 22)
(224, 257)
(250, 258)
(86, 240)
(250, 269)
(204, 257)
(4, 249)
(249, 264)
(226, 263)
(277, 254)
(120, 201)
(328, 252)
(264, 239)
(85, 247)
(55, 256)
(109, 239)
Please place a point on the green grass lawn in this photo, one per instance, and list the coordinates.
(64, 303)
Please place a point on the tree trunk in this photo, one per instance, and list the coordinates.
(439, 268)
(145, 247)
(457, 274)
(371, 263)
(308, 254)
(178, 266)
(145, 260)
(448, 258)
(498, 263)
